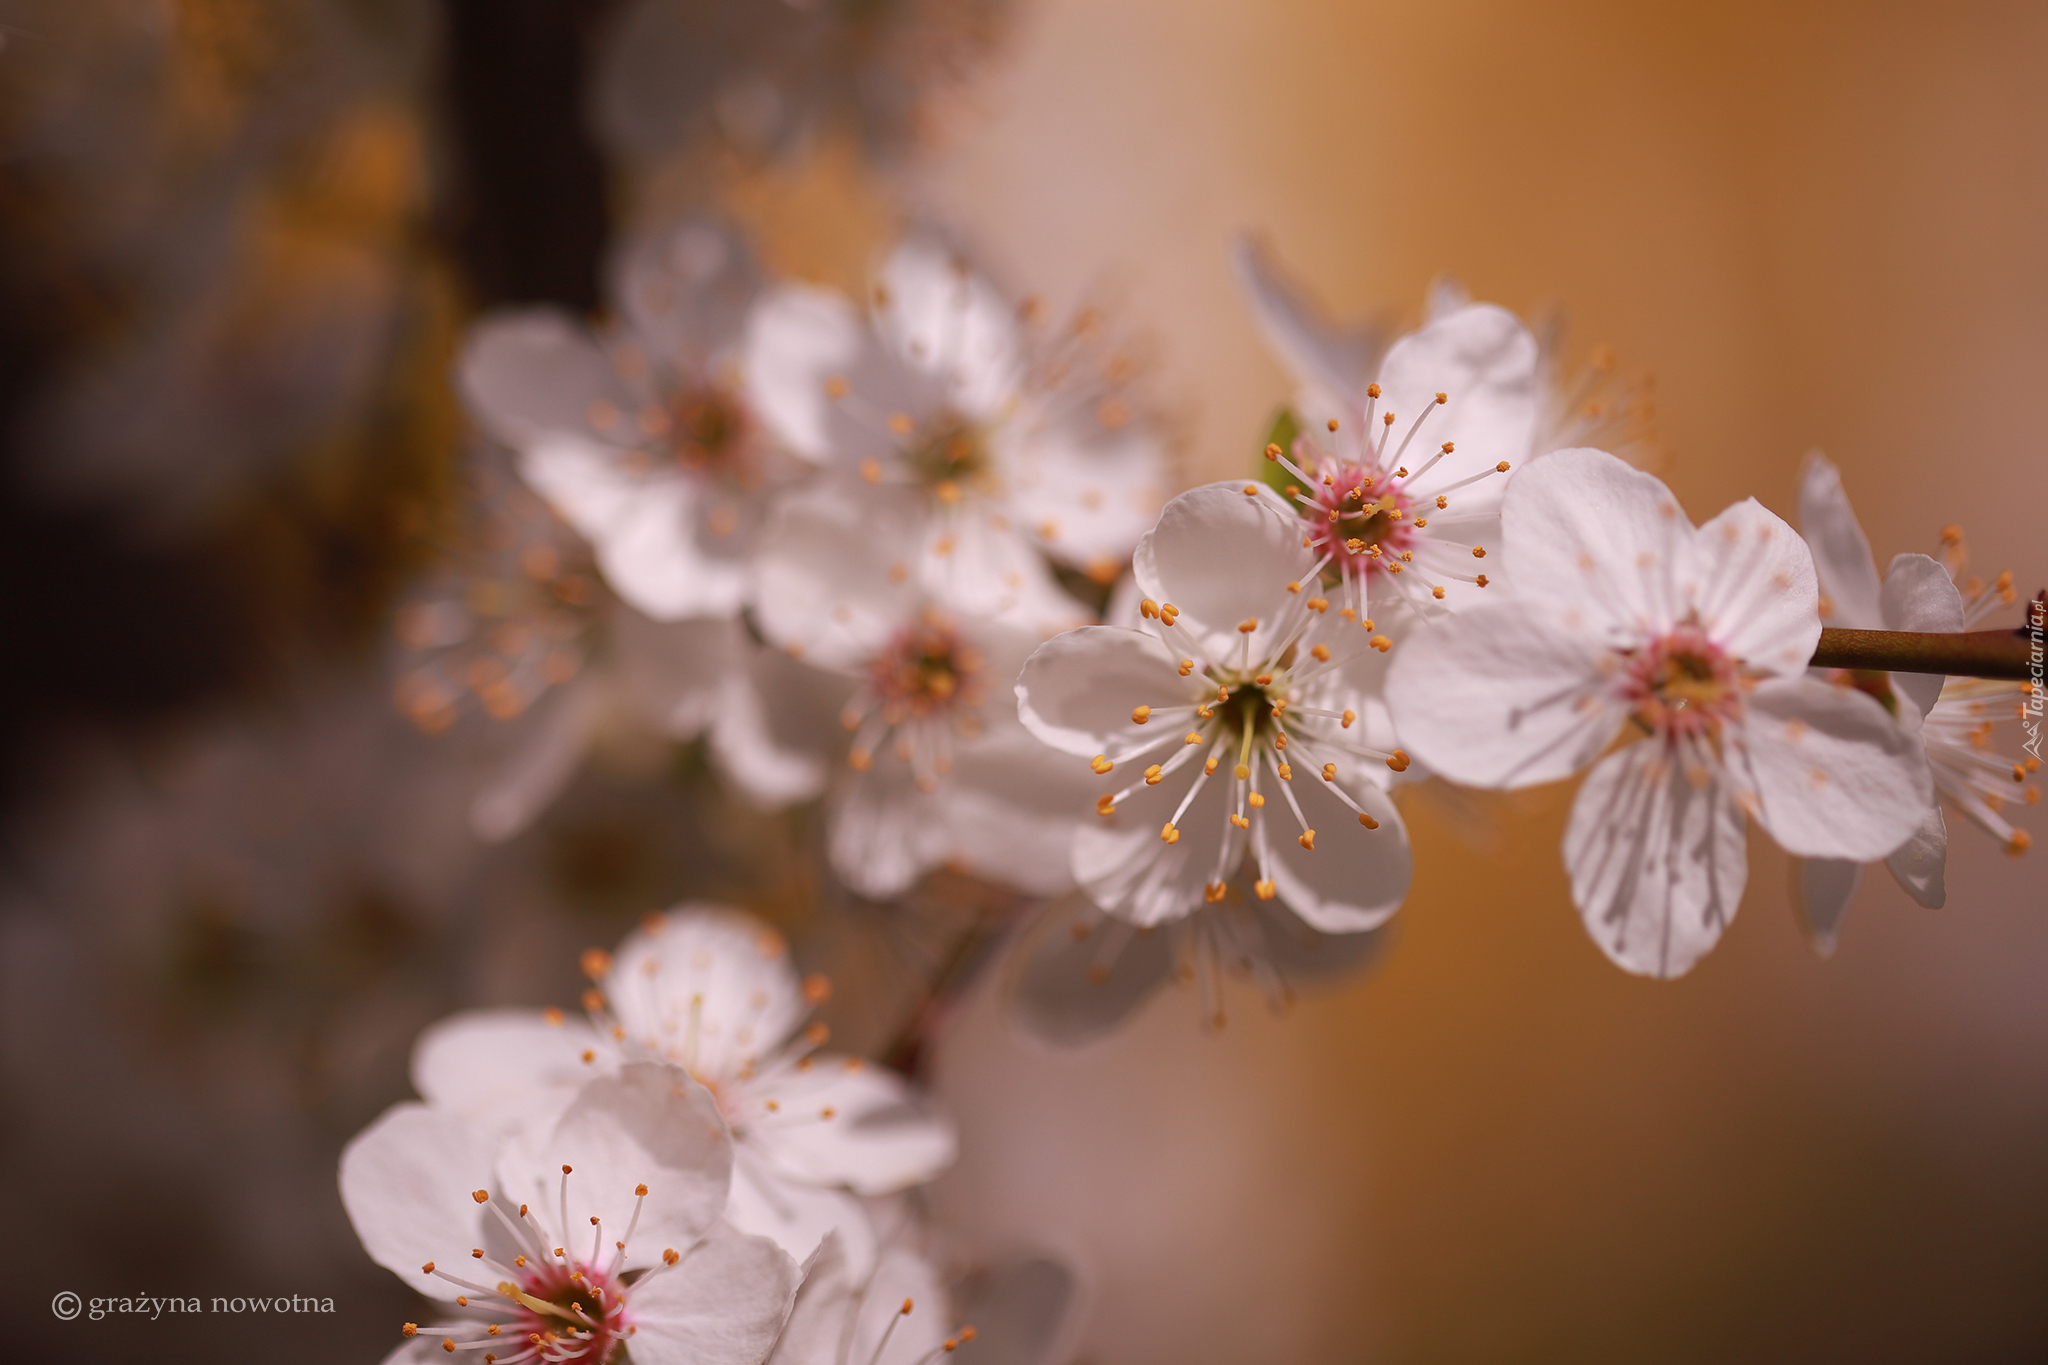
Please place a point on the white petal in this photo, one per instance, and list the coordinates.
(1500, 697)
(1602, 543)
(822, 1315)
(1756, 593)
(1078, 690)
(1298, 953)
(1841, 556)
(1355, 878)
(541, 767)
(902, 1277)
(651, 534)
(1222, 558)
(1834, 775)
(1084, 492)
(977, 564)
(835, 576)
(942, 318)
(686, 291)
(1921, 863)
(1129, 870)
(497, 1067)
(1485, 362)
(1073, 987)
(778, 726)
(1010, 810)
(646, 1123)
(709, 988)
(800, 338)
(880, 1138)
(1822, 889)
(723, 1305)
(798, 1216)
(406, 1183)
(882, 832)
(1657, 863)
(537, 375)
(1332, 362)
(1918, 594)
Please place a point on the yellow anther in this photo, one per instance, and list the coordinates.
(1100, 764)
(1449, 447)
(836, 386)
(1329, 772)
(1148, 609)
(1264, 679)
(1501, 468)
(1257, 801)
(1388, 419)
(1187, 666)
(1367, 821)
(1251, 490)
(1295, 586)
(1209, 768)
(1140, 714)
(1248, 625)
(1168, 834)
(1307, 839)
(1194, 737)
(1286, 772)
(1398, 761)
(1442, 502)
(1478, 551)
(1240, 821)
(1265, 891)
(1105, 804)
(1272, 451)
(1333, 424)
(1381, 643)
(1481, 580)
(1318, 605)
(1321, 653)
(1153, 775)
(1437, 592)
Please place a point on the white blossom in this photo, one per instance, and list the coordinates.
(642, 437)
(1245, 691)
(936, 769)
(596, 1225)
(1002, 450)
(712, 991)
(1625, 619)
(1953, 719)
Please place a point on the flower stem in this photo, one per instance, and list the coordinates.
(1969, 654)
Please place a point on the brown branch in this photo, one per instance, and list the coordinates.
(1971, 654)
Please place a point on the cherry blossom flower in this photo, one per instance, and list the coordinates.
(598, 1225)
(642, 438)
(1004, 450)
(1246, 673)
(713, 991)
(1625, 618)
(1953, 719)
(892, 1314)
(936, 769)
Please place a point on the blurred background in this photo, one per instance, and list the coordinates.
(242, 240)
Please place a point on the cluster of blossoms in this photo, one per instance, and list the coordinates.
(685, 1170)
(912, 557)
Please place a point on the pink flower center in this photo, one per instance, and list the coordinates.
(926, 670)
(1358, 521)
(572, 1312)
(1683, 684)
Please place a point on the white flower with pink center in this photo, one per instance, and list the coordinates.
(936, 769)
(597, 1225)
(1953, 719)
(1247, 693)
(1003, 449)
(1627, 622)
(642, 437)
(713, 991)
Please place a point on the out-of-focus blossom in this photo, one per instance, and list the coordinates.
(1624, 615)
(1246, 671)
(777, 76)
(597, 1224)
(641, 437)
(1005, 450)
(520, 627)
(1952, 718)
(1081, 974)
(937, 770)
(712, 991)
